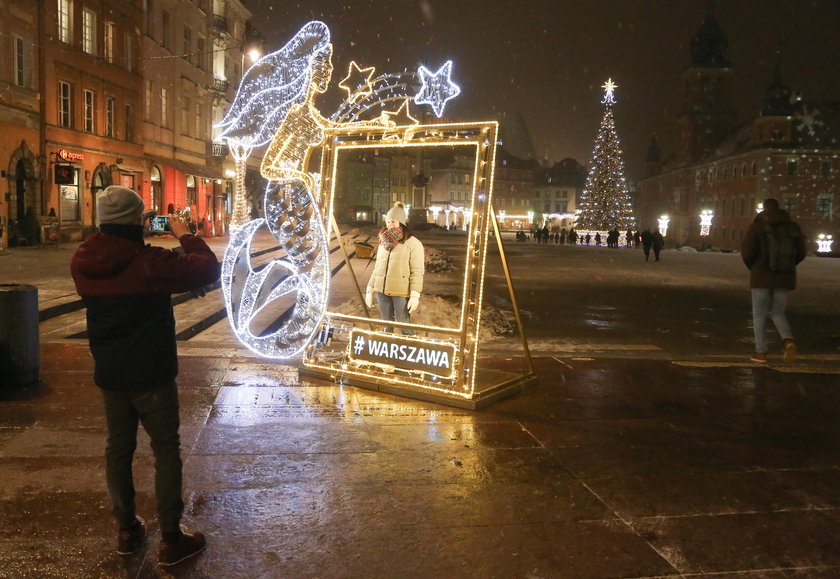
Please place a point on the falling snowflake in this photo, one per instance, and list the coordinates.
(808, 120)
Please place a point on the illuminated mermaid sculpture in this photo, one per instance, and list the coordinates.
(279, 90)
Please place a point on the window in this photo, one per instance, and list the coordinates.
(188, 43)
(89, 110)
(110, 31)
(128, 52)
(150, 17)
(198, 118)
(791, 167)
(147, 111)
(65, 104)
(185, 115)
(164, 118)
(164, 30)
(824, 206)
(128, 120)
(192, 193)
(89, 31)
(789, 203)
(65, 21)
(19, 62)
(825, 169)
(201, 58)
(109, 116)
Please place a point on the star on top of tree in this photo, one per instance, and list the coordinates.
(609, 88)
(437, 88)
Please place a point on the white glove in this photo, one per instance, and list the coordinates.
(414, 302)
(369, 297)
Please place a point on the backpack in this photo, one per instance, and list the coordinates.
(781, 241)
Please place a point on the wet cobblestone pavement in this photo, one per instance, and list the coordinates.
(606, 468)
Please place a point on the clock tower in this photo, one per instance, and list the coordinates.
(707, 114)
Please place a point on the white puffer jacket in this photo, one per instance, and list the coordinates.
(400, 271)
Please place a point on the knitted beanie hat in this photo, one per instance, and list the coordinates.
(119, 205)
(397, 213)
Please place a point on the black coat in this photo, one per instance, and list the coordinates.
(126, 287)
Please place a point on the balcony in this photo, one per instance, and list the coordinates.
(220, 23)
(218, 149)
(220, 84)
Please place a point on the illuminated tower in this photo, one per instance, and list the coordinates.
(605, 202)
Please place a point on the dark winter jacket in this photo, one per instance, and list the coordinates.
(126, 287)
(754, 253)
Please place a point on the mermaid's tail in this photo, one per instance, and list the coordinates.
(294, 219)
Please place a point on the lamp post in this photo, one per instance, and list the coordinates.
(663, 225)
(706, 217)
(251, 45)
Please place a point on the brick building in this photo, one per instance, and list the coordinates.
(790, 152)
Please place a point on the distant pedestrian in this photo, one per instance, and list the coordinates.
(588, 238)
(771, 249)
(126, 287)
(658, 242)
(647, 242)
(573, 236)
(597, 239)
(629, 238)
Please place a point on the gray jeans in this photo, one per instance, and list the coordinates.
(157, 411)
(394, 308)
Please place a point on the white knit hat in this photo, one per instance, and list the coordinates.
(119, 205)
(397, 213)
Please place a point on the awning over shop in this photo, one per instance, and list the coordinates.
(188, 168)
(128, 169)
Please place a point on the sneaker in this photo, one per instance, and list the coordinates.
(172, 553)
(789, 347)
(758, 357)
(130, 539)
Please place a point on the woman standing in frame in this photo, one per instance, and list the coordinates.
(397, 278)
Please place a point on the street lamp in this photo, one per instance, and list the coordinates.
(706, 217)
(663, 225)
(824, 243)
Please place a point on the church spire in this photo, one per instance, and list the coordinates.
(777, 96)
(709, 45)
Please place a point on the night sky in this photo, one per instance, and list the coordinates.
(547, 59)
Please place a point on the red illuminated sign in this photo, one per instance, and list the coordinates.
(70, 155)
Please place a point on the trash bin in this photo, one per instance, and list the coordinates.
(19, 340)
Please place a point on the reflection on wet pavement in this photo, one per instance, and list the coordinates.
(606, 468)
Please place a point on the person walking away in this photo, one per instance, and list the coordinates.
(126, 287)
(771, 249)
(397, 278)
(658, 242)
(647, 242)
(629, 238)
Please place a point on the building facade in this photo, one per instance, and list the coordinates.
(100, 92)
(556, 190)
(709, 189)
(22, 162)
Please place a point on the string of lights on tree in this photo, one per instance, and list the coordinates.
(605, 200)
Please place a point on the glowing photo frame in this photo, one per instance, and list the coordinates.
(436, 362)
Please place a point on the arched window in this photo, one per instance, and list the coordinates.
(192, 192)
(157, 189)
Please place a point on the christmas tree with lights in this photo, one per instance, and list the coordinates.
(605, 202)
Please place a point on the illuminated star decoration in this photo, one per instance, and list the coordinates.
(402, 116)
(609, 87)
(437, 88)
(357, 82)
